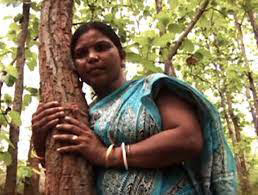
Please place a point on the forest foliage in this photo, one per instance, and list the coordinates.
(218, 56)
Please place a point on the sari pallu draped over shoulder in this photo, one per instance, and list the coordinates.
(130, 115)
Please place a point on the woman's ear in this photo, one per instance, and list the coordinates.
(123, 55)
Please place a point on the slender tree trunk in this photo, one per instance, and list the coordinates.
(11, 173)
(31, 185)
(227, 118)
(242, 169)
(176, 46)
(1, 85)
(65, 174)
(249, 98)
(249, 73)
(252, 18)
(169, 68)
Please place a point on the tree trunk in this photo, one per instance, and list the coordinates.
(11, 173)
(65, 174)
(1, 85)
(252, 19)
(241, 162)
(249, 98)
(249, 72)
(229, 125)
(31, 185)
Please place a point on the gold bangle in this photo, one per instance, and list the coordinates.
(108, 152)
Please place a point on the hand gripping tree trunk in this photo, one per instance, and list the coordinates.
(65, 174)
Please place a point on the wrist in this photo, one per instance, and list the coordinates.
(115, 159)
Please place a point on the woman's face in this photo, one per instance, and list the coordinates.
(98, 61)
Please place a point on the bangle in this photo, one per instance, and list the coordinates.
(124, 155)
(108, 152)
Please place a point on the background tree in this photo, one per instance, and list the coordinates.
(11, 173)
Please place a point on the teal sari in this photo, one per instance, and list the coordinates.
(130, 115)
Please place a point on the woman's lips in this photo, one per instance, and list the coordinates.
(96, 71)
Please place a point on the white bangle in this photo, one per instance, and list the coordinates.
(124, 155)
(108, 152)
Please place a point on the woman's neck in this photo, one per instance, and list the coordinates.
(103, 91)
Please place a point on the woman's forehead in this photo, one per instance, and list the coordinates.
(91, 37)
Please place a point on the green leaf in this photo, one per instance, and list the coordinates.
(5, 136)
(18, 18)
(3, 120)
(6, 158)
(198, 55)
(12, 71)
(15, 116)
(203, 22)
(163, 40)
(33, 91)
(175, 28)
(32, 62)
(26, 100)
(9, 80)
(78, 2)
(188, 45)
(7, 99)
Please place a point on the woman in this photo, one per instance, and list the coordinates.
(156, 135)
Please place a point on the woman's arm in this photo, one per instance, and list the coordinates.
(181, 140)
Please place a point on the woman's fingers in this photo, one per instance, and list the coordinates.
(46, 113)
(73, 139)
(76, 123)
(70, 149)
(43, 106)
(72, 129)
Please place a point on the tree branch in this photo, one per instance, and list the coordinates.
(190, 26)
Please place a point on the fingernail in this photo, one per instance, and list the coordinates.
(58, 126)
(58, 149)
(54, 136)
(67, 118)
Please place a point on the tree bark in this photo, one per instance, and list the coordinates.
(252, 19)
(248, 73)
(11, 173)
(66, 174)
(176, 46)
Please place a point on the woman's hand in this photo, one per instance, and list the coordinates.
(44, 119)
(82, 140)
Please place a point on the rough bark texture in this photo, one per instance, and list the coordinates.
(65, 174)
(31, 184)
(252, 18)
(11, 173)
(249, 73)
(176, 46)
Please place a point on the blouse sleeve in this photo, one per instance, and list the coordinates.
(215, 170)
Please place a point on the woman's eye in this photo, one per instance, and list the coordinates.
(102, 47)
(80, 53)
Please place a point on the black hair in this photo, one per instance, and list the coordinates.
(105, 29)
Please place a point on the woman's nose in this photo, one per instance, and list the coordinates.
(93, 57)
